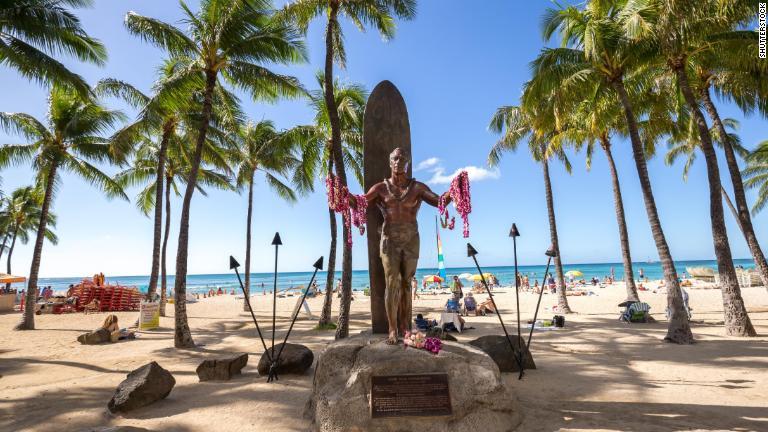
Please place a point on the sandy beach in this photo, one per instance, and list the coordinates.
(595, 374)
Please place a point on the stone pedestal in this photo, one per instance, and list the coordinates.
(341, 394)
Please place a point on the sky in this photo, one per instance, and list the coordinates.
(454, 64)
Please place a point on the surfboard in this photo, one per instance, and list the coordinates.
(385, 127)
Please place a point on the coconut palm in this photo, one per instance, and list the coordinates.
(31, 31)
(21, 215)
(380, 14)
(71, 142)
(263, 149)
(161, 115)
(317, 160)
(594, 48)
(143, 173)
(232, 40)
(677, 32)
(595, 118)
(515, 124)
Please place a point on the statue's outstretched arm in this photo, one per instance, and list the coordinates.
(432, 198)
(371, 196)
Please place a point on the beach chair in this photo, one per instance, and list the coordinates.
(470, 305)
(452, 305)
(635, 312)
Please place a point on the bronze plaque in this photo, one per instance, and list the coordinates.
(410, 395)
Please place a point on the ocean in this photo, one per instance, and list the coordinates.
(263, 281)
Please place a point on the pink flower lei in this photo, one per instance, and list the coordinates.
(459, 193)
(338, 201)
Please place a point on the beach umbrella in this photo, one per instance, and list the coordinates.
(465, 275)
(574, 273)
(478, 278)
(433, 278)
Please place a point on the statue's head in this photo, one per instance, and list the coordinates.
(398, 160)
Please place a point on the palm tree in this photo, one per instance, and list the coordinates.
(317, 160)
(516, 123)
(160, 115)
(143, 173)
(264, 149)
(21, 214)
(593, 47)
(71, 142)
(756, 175)
(593, 121)
(33, 30)
(380, 14)
(677, 32)
(229, 39)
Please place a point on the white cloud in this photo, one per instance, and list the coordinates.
(475, 174)
(428, 163)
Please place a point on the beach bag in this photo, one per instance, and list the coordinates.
(558, 321)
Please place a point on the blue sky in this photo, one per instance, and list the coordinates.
(454, 64)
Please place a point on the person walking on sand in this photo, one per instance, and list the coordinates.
(415, 287)
(640, 273)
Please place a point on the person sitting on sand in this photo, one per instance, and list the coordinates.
(115, 332)
(641, 287)
(423, 323)
(219, 292)
(486, 307)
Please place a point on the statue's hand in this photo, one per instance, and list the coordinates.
(446, 197)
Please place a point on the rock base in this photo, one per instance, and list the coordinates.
(294, 359)
(144, 386)
(341, 393)
(506, 359)
(221, 369)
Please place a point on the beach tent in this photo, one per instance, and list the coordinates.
(6, 278)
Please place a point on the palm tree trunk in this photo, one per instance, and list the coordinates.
(248, 245)
(2, 248)
(182, 335)
(325, 315)
(158, 223)
(679, 329)
(10, 253)
(729, 203)
(28, 318)
(737, 322)
(742, 209)
(562, 300)
(163, 268)
(342, 330)
(618, 204)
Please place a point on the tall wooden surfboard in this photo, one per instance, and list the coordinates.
(385, 127)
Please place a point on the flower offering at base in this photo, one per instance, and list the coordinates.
(419, 340)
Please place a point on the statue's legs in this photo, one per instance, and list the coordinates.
(399, 255)
(393, 293)
(407, 269)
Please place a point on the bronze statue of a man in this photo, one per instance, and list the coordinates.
(399, 199)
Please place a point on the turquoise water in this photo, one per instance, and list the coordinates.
(505, 274)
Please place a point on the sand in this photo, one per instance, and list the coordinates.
(596, 374)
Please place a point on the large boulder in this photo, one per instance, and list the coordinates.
(95, 337)
(295, 359)
(341, 394)
(222, 368)
(142, 387)
(498, 348)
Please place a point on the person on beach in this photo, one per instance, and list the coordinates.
(456, 287)
(415, 288)
(640, 273)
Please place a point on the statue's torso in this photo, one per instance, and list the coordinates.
(400, 204)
